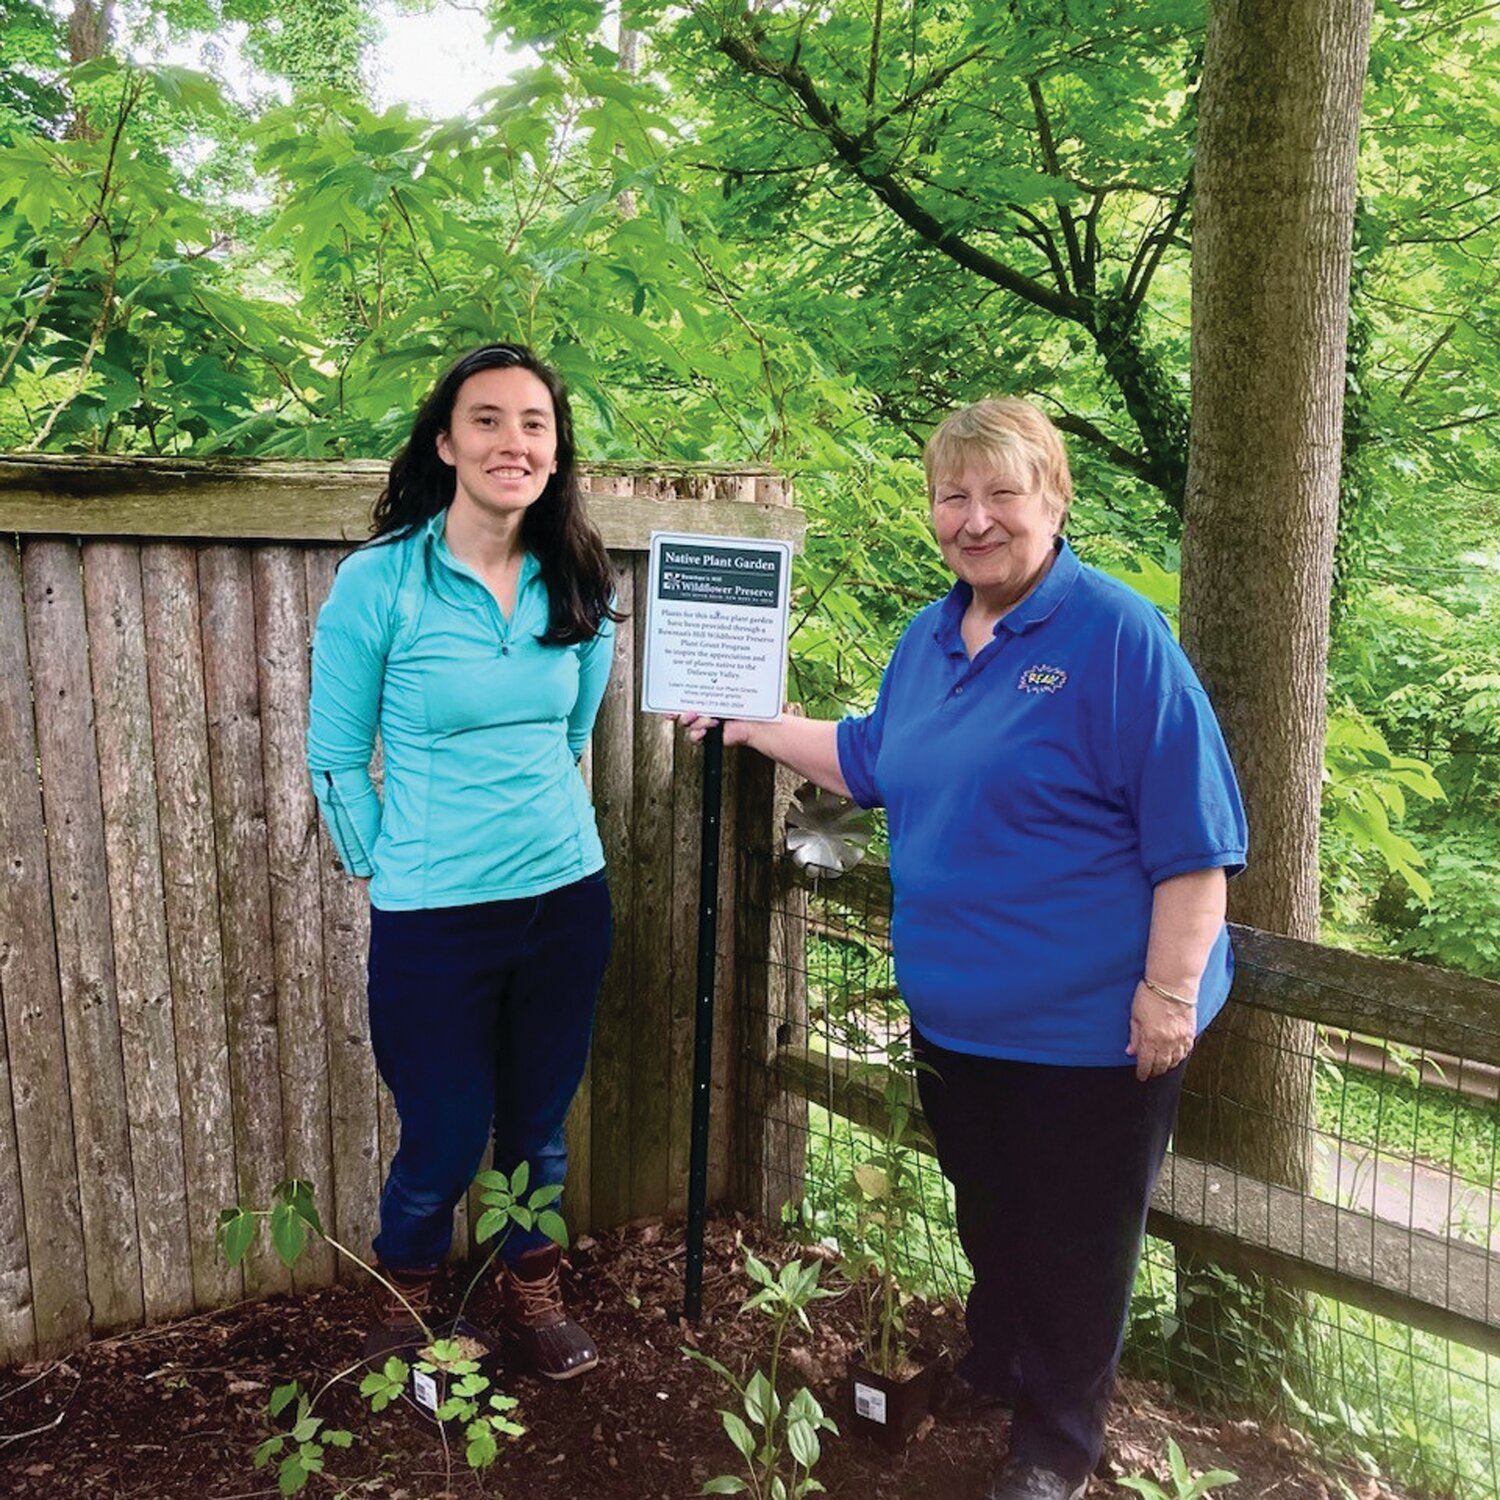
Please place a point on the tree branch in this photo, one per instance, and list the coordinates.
(934, 80)
(129, 98)
(1158, 239)
(1121, 457)
(1427, 359)
(1081, 274)
(889, 189)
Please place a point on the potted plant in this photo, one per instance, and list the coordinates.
(890, 1382)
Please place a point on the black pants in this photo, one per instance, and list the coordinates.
(1052, 1169)
(481, 1017)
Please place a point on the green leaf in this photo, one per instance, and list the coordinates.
(756, 1271)
(553, 1226)
(739, 1434)
(293, 1474)
(236, 1231)
(282, 1397)
(802, 1439)
(762, 1404)
(268, 1450)
(520, 1178)
(288, 1233)
(545, 1195)
(490, 1223)
(338, 1437)
(297, 1193)
(724, 1484)
(482, 1448)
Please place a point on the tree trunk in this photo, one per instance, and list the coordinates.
(1282, 81)
(88, 29)
(89, 25)
(1275, 189)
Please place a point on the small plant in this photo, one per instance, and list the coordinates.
(778, 1440)
(1185, 1484)
(304, 1442)
(447, 1364)
(883, 1196)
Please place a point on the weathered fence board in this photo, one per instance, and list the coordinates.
(48, 1293)
(62, 695)
(354, 1144)
(174, 670)
(306, 502)
(282, 633)
(17, 1326)
(231, 693)
(203, 1019)
(610, 1076)
(652, 1105)
(127, 773)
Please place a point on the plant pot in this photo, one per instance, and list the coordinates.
(428, 1390)
(888, 1410)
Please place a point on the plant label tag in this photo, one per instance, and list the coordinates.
(869, 1403)
(716, 626)
(424, 1389)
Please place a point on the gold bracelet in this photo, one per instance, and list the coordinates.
(1166, 994)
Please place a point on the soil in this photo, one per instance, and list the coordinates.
(175, 1413)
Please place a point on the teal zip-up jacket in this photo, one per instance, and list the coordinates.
(481, 727)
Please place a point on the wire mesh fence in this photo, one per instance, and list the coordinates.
(1323, 1248)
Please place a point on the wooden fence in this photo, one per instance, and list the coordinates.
(182, 1016)
(1434, 1279)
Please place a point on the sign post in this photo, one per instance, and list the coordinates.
(716, 629)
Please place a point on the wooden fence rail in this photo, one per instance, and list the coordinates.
(182, 1017)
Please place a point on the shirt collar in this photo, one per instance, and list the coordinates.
(1039, 605)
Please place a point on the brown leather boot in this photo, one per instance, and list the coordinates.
(396, 1326)
(532, 1307)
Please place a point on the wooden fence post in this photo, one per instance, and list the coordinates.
(770, 992)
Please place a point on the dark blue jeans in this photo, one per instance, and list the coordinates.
(481, 1018)
(1052, 1169)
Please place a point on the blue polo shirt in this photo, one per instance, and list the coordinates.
(480, 726)
(1035, 796)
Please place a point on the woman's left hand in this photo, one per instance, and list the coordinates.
(1161, 1033)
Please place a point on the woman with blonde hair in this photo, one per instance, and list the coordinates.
(1063, 815)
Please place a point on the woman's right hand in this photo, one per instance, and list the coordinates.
(736, 731)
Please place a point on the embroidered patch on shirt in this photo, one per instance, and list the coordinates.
(1042, 679)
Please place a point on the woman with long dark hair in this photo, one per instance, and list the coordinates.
(474, 633)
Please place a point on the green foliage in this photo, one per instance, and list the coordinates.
(1407, 1120)
(1182, 1484)
(508, 1205)
(469, 1397)
(300, 1449)
(880, 1201)
(1365, 788)
(776, 1438)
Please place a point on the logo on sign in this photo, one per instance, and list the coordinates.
(1042, 679)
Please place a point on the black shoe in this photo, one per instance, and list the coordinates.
(958, 1400)
(1017, 1480)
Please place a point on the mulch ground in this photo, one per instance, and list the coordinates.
(175, 1413)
